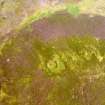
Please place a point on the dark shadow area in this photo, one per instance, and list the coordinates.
(63, 24)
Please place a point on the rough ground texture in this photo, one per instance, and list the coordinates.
(22, 81)
(67, 71)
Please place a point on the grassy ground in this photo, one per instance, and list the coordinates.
(38, 73)
(65, 71)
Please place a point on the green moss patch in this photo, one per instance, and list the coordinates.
(74, 64)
